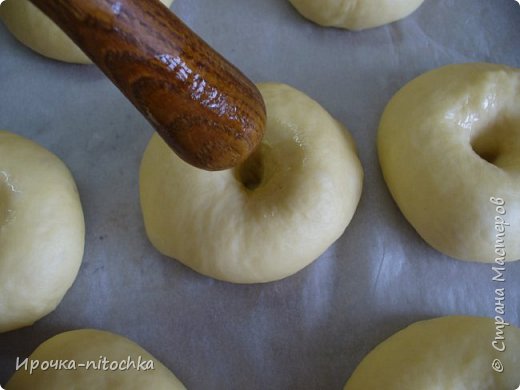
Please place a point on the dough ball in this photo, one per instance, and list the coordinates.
(109, 362)
(449, 142)
(268, 218)
(353, 14)
(42, 231)
(34, 29)
(444, 353)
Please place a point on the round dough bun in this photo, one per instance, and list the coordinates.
(353, 14)
(98, 349)
(42, 231)
(34, 29)
(268, 218)
(453, 353)
(448, 142)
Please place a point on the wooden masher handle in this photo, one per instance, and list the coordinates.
(209, 113)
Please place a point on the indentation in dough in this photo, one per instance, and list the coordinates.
(251, 172)
(498, 142)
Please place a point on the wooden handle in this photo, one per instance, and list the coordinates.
(209, 113)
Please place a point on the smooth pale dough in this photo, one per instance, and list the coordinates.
(42, 231)
(213, 223)
(435, 139)
(34, 29)
(354, 14)
(454, 353)
(90, 345)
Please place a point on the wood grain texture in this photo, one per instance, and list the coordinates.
(209, 113)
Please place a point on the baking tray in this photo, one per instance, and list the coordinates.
(308, 331)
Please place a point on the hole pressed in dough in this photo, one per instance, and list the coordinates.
(486, 150)
(497, 142)
(251, 172)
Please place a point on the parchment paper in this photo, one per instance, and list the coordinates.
(310, 330)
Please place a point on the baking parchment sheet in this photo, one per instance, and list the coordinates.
(310, 330)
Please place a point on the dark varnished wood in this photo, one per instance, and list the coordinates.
(209, 113)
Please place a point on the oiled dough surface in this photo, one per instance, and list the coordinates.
(448, 142)
(35, 30)
(307, 195)
(42, 231)
(355, 14)
(98, 349)
(453, 353)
